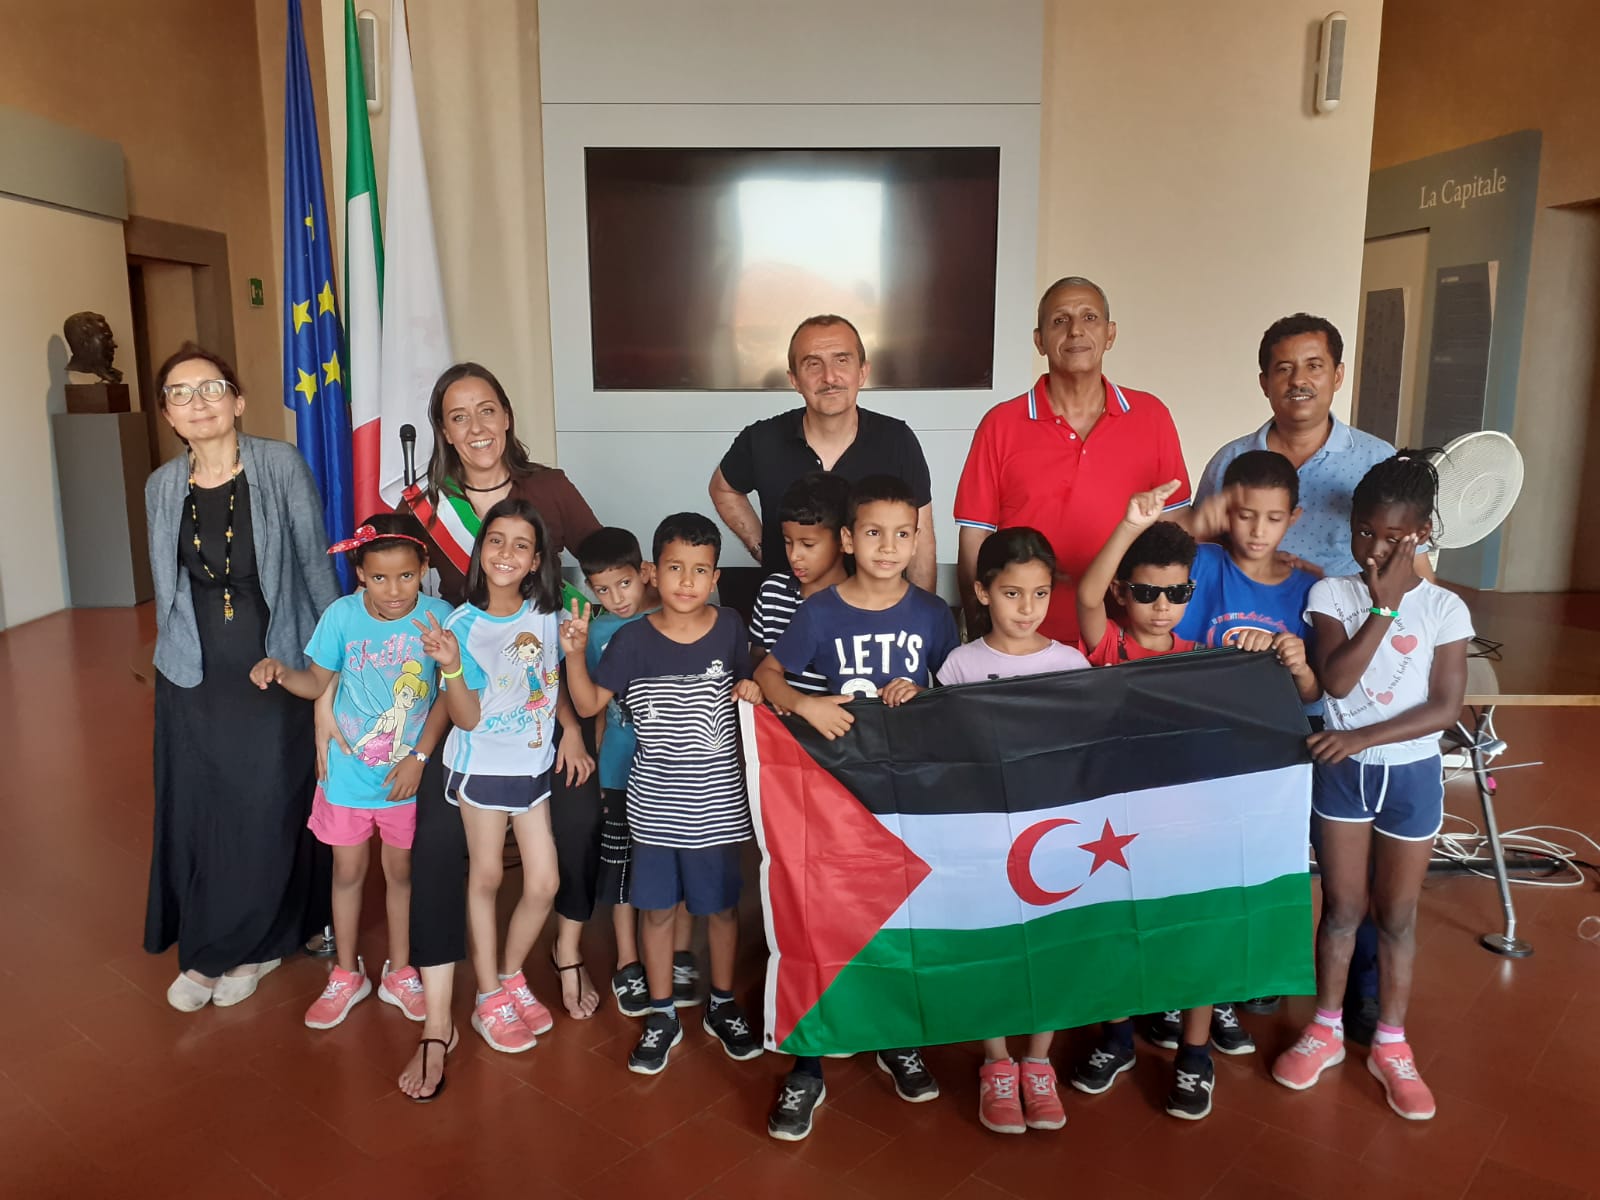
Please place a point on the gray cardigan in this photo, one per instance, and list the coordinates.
(297, 576)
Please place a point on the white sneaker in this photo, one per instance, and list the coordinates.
(186, 995)
(231, 989)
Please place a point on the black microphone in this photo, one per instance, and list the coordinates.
(408, 452)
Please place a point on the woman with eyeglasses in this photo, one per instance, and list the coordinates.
(239, 559)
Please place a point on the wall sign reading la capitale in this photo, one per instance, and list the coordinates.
(1457, 192)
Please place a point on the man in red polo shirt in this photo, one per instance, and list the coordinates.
(1065, 456)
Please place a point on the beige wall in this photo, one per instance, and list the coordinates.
(70, 261)
(193, 91)
(1550, 536)
(1184, 170)
(1456, 72)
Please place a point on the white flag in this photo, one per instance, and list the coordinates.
(416, 336)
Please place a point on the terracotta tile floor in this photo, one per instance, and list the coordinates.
(105, 1091)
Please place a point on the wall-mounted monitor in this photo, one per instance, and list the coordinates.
(703, 260)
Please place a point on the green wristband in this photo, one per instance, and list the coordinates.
(1376, 611)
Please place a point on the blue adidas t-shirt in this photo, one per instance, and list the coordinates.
(860, 650)
(386, 687)
(1226, 599)
(617, 747)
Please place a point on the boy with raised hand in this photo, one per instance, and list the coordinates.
(1247, 595)
(812, 516)
(679, 671)
(873, 634)
(1145, 564)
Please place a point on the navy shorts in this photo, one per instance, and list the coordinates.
(706, 880)
(514, 794)
(1403, 801)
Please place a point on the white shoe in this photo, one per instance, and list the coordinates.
(186, 995)
(231, 989)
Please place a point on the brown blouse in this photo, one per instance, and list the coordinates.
(567, 517)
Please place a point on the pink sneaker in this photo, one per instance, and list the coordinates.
(403, 989)
(496, 1019)
(999, 1108)
(534, 1015)
(1302, 1064)
(1040, 1103)
(345, 990)
(1396, 1066)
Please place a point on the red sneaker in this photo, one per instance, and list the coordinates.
(497, 1020)
(1040, 1102)
(534, 1015)
(403, 989)
(345, 990)
(1301, 1065)
(1396, 1066)
(999, 1107)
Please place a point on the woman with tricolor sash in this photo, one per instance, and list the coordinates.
(477, 461)
(238, 558)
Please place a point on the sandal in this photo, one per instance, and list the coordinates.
(455, 1038)
(561, 971)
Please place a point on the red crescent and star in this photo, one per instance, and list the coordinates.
(1107, 848)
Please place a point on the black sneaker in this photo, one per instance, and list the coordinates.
(1360, 1020)
(726, 1022)
(1262, 1005)
(685, 980)
(1164, 1029)
(1227, 1035)
(632, 992)
(662, 1031)
(913, 1082)
(790, 1120)
(1105, 1062)
(1190, 1097)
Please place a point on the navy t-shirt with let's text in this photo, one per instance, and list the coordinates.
(860, 650)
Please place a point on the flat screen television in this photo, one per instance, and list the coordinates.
(703, 260)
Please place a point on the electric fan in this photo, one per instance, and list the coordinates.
(1480, 477)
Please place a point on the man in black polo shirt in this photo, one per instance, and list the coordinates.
(828, 367)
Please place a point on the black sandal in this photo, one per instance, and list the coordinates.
(445, 1053)
(560, 970)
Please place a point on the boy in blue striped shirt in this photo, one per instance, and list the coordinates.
(678, 672)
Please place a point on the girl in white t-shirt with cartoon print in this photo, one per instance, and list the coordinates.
(1390, 649)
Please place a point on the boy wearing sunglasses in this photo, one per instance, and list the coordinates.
(1145, 564)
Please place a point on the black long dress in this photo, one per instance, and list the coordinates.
(231, 870)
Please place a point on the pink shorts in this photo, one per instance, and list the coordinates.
(336, 825)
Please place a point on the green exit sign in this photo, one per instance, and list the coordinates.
(258, 295)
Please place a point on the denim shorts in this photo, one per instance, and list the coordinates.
(706, 880)
(1400, 800)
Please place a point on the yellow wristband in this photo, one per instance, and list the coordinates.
(456, 674)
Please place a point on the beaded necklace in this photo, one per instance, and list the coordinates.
(227, 549)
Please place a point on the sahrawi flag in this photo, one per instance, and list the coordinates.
(1034, 854)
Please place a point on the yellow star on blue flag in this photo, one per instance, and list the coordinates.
(302, 315)
(331, 372)
(325, 297)
(307, 386)
(310, 224)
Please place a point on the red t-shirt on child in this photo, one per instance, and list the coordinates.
(1115, 647)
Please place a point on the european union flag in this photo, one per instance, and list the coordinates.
(313, 340)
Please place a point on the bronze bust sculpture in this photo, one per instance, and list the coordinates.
(89, 338)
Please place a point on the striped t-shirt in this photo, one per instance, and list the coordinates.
(686, 789)
(775, 604)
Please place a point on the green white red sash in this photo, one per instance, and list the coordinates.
(453, 525)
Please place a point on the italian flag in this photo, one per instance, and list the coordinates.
(363, 282)
(1034, 854)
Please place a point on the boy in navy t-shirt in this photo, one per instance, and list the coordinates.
(871, 635)
(679, 671)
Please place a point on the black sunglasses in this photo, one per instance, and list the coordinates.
(1146, 593)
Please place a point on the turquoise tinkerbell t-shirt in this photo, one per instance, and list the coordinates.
(386, 687)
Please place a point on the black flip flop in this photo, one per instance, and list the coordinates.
(559, 969)
(448, 1046)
